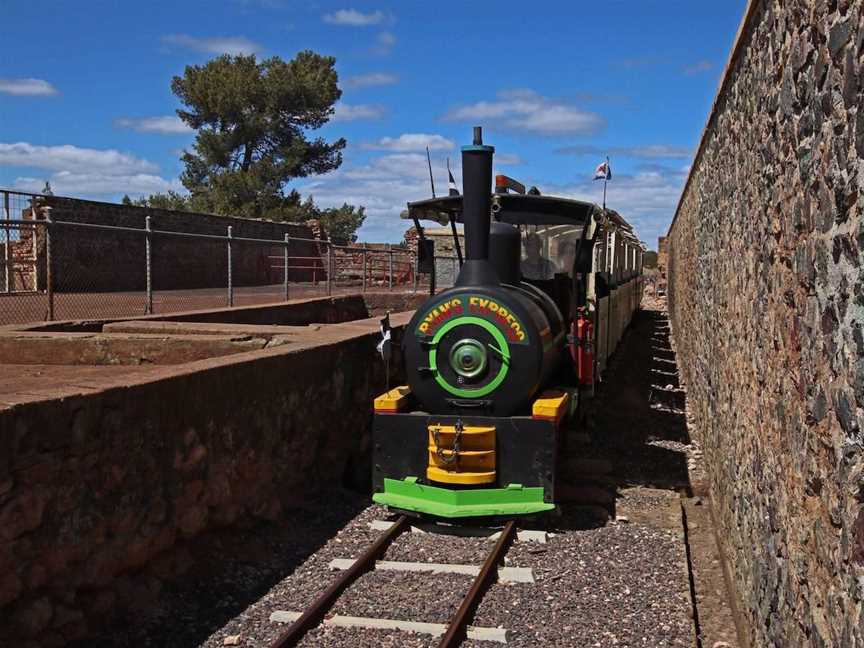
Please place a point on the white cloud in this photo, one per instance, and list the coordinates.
(343, 112)
(384, 42)
(529, 111)
(27, 87)
(73, 170)
(698, 67)
(646, 199)
(354, 18)
(507, 159)
(411, 142)
(371, 80)
(66, 157)
(403, 165)
(384, 186)
(233, 45)
(650, 151)
(68, 183)
(165, 125)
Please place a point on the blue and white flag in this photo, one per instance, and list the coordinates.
(603, 171)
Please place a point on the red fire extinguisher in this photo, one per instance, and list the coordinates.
(582, 347)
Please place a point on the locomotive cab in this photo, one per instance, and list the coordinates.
(495, 365)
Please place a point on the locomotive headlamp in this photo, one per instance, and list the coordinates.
(468, 358)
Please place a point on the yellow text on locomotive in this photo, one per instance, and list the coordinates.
(440, 314)
(512, 326)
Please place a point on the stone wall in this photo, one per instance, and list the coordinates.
(93, 260)
(446, 265)
(98, 488)
(767, 304)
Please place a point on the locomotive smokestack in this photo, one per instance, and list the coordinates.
(476, 212)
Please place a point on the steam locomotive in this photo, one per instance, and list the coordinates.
(499, 365)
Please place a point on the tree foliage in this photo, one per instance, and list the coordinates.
(170, 200)
(340, 223)
(252, 120)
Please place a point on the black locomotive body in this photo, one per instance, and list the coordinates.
(496, 365)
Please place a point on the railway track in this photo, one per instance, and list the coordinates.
(452, 634)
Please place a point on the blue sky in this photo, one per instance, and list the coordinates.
(85, 100)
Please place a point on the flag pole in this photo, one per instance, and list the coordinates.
(431, 180)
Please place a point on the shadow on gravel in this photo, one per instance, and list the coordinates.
(224, 573)
(636, 424)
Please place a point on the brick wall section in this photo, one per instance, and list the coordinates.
(99, 260)
(348, 264)
(767, 304)
(96, 489)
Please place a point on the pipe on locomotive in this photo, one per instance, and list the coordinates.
(476, 213)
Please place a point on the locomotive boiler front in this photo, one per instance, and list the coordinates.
(484, 350)
(482, 347)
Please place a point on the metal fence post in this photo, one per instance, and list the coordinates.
(49, 274)
(148, 260)
(329, 268)
(230, 269)
(389, 267)
(287, 241)
(365, 265)
(7, 241)
(34, 247)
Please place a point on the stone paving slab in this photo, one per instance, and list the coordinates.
(505, 574)
(498, 635)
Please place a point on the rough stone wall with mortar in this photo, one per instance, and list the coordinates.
(767, 304)
(100, 260)
(96, 490)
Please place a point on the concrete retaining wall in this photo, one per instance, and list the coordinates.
(98, 486)
(767, 304)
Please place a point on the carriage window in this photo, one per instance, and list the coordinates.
(548, 250)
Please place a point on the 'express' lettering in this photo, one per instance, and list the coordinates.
(490, 309)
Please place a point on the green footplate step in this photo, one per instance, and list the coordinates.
(410, 495)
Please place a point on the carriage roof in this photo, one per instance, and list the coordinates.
(522, 209)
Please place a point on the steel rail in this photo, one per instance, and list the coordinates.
(315, 613)
(458, 627)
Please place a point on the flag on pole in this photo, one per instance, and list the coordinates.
(384, 344)
(603, 171)
(451, 182)
(384, 347)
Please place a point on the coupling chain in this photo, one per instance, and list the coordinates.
(457, 444)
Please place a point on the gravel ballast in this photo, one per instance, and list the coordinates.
(623, 584)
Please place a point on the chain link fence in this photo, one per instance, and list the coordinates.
(59, 270)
